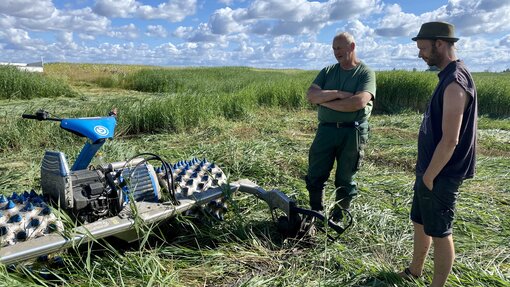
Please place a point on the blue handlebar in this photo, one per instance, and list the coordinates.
(96, 129)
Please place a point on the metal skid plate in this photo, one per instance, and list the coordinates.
(147, 212)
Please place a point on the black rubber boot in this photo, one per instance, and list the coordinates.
(341, 204)
(316, 200)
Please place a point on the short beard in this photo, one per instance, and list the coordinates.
(435, 58)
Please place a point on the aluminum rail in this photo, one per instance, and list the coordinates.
(147, 212)
(150, 213)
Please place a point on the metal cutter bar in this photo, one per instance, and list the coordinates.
(148, 212)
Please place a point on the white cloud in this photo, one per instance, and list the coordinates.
(86, 37)
(505, 41)
(259, 33)
(66, 41)
(167, 48)
(7, 22)
(15, 36)
(203, 33)
(124, 32)
(481, 53)
(172, 10)
(226, 2)
(396, 23)
(283, 17)
(224, 21)
(81, 20)
(27, 8)
(156, 31)
(349, 9)
(182, 32)
(283, 40)
(295, 11)
(115, 8)
(245, 49)
(470, 17)
(65, 37)
(18, 39)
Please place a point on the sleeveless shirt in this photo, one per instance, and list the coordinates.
(462, 163)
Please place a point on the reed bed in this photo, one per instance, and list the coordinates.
(16, 84)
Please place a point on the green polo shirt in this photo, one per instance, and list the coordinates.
(358, 79)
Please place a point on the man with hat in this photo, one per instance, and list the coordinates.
(446, 151)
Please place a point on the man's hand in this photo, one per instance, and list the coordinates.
(428, 181)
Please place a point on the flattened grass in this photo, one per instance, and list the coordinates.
(270, 147)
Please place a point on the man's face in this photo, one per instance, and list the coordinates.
(428, 52)
(342, 50)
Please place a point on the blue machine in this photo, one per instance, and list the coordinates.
(97, 195)
(96, 192)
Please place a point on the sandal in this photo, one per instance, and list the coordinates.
(408, 275)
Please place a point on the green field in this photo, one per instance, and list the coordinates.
(256, 124)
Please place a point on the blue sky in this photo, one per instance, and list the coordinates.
(256, 33)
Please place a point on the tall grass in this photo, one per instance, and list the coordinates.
(109, 75)
(493, 93)
(396, 90)
(183, 99)
(400, 90)
(16, 84)
(257, 124)
(204, 80)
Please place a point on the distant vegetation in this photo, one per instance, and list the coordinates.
(190, 97)
(16, 84)
(396, 90)
(179, 99)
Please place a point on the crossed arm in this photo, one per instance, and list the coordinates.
(338, 100)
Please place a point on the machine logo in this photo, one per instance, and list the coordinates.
(100, 130)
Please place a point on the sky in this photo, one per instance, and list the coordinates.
(277, 34)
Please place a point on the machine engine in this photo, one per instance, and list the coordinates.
(99, 192)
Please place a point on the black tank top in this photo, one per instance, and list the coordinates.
(462, 163)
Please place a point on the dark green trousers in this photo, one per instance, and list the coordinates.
(343, 144)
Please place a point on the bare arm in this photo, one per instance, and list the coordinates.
(454, 103)
(350, 104)
(316, 95)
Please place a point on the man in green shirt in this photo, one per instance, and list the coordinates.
(344, 93)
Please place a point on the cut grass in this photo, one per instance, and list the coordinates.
(270, 147)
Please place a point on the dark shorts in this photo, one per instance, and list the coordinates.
(435, 209)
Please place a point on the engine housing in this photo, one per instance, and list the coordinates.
(96, 193)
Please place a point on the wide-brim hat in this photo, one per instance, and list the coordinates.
(437, 30)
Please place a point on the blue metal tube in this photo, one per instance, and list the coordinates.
(88, 151)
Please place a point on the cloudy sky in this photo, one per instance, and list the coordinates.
(256, 33)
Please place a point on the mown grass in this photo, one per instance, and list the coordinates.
(256, 131)
(270, 147)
